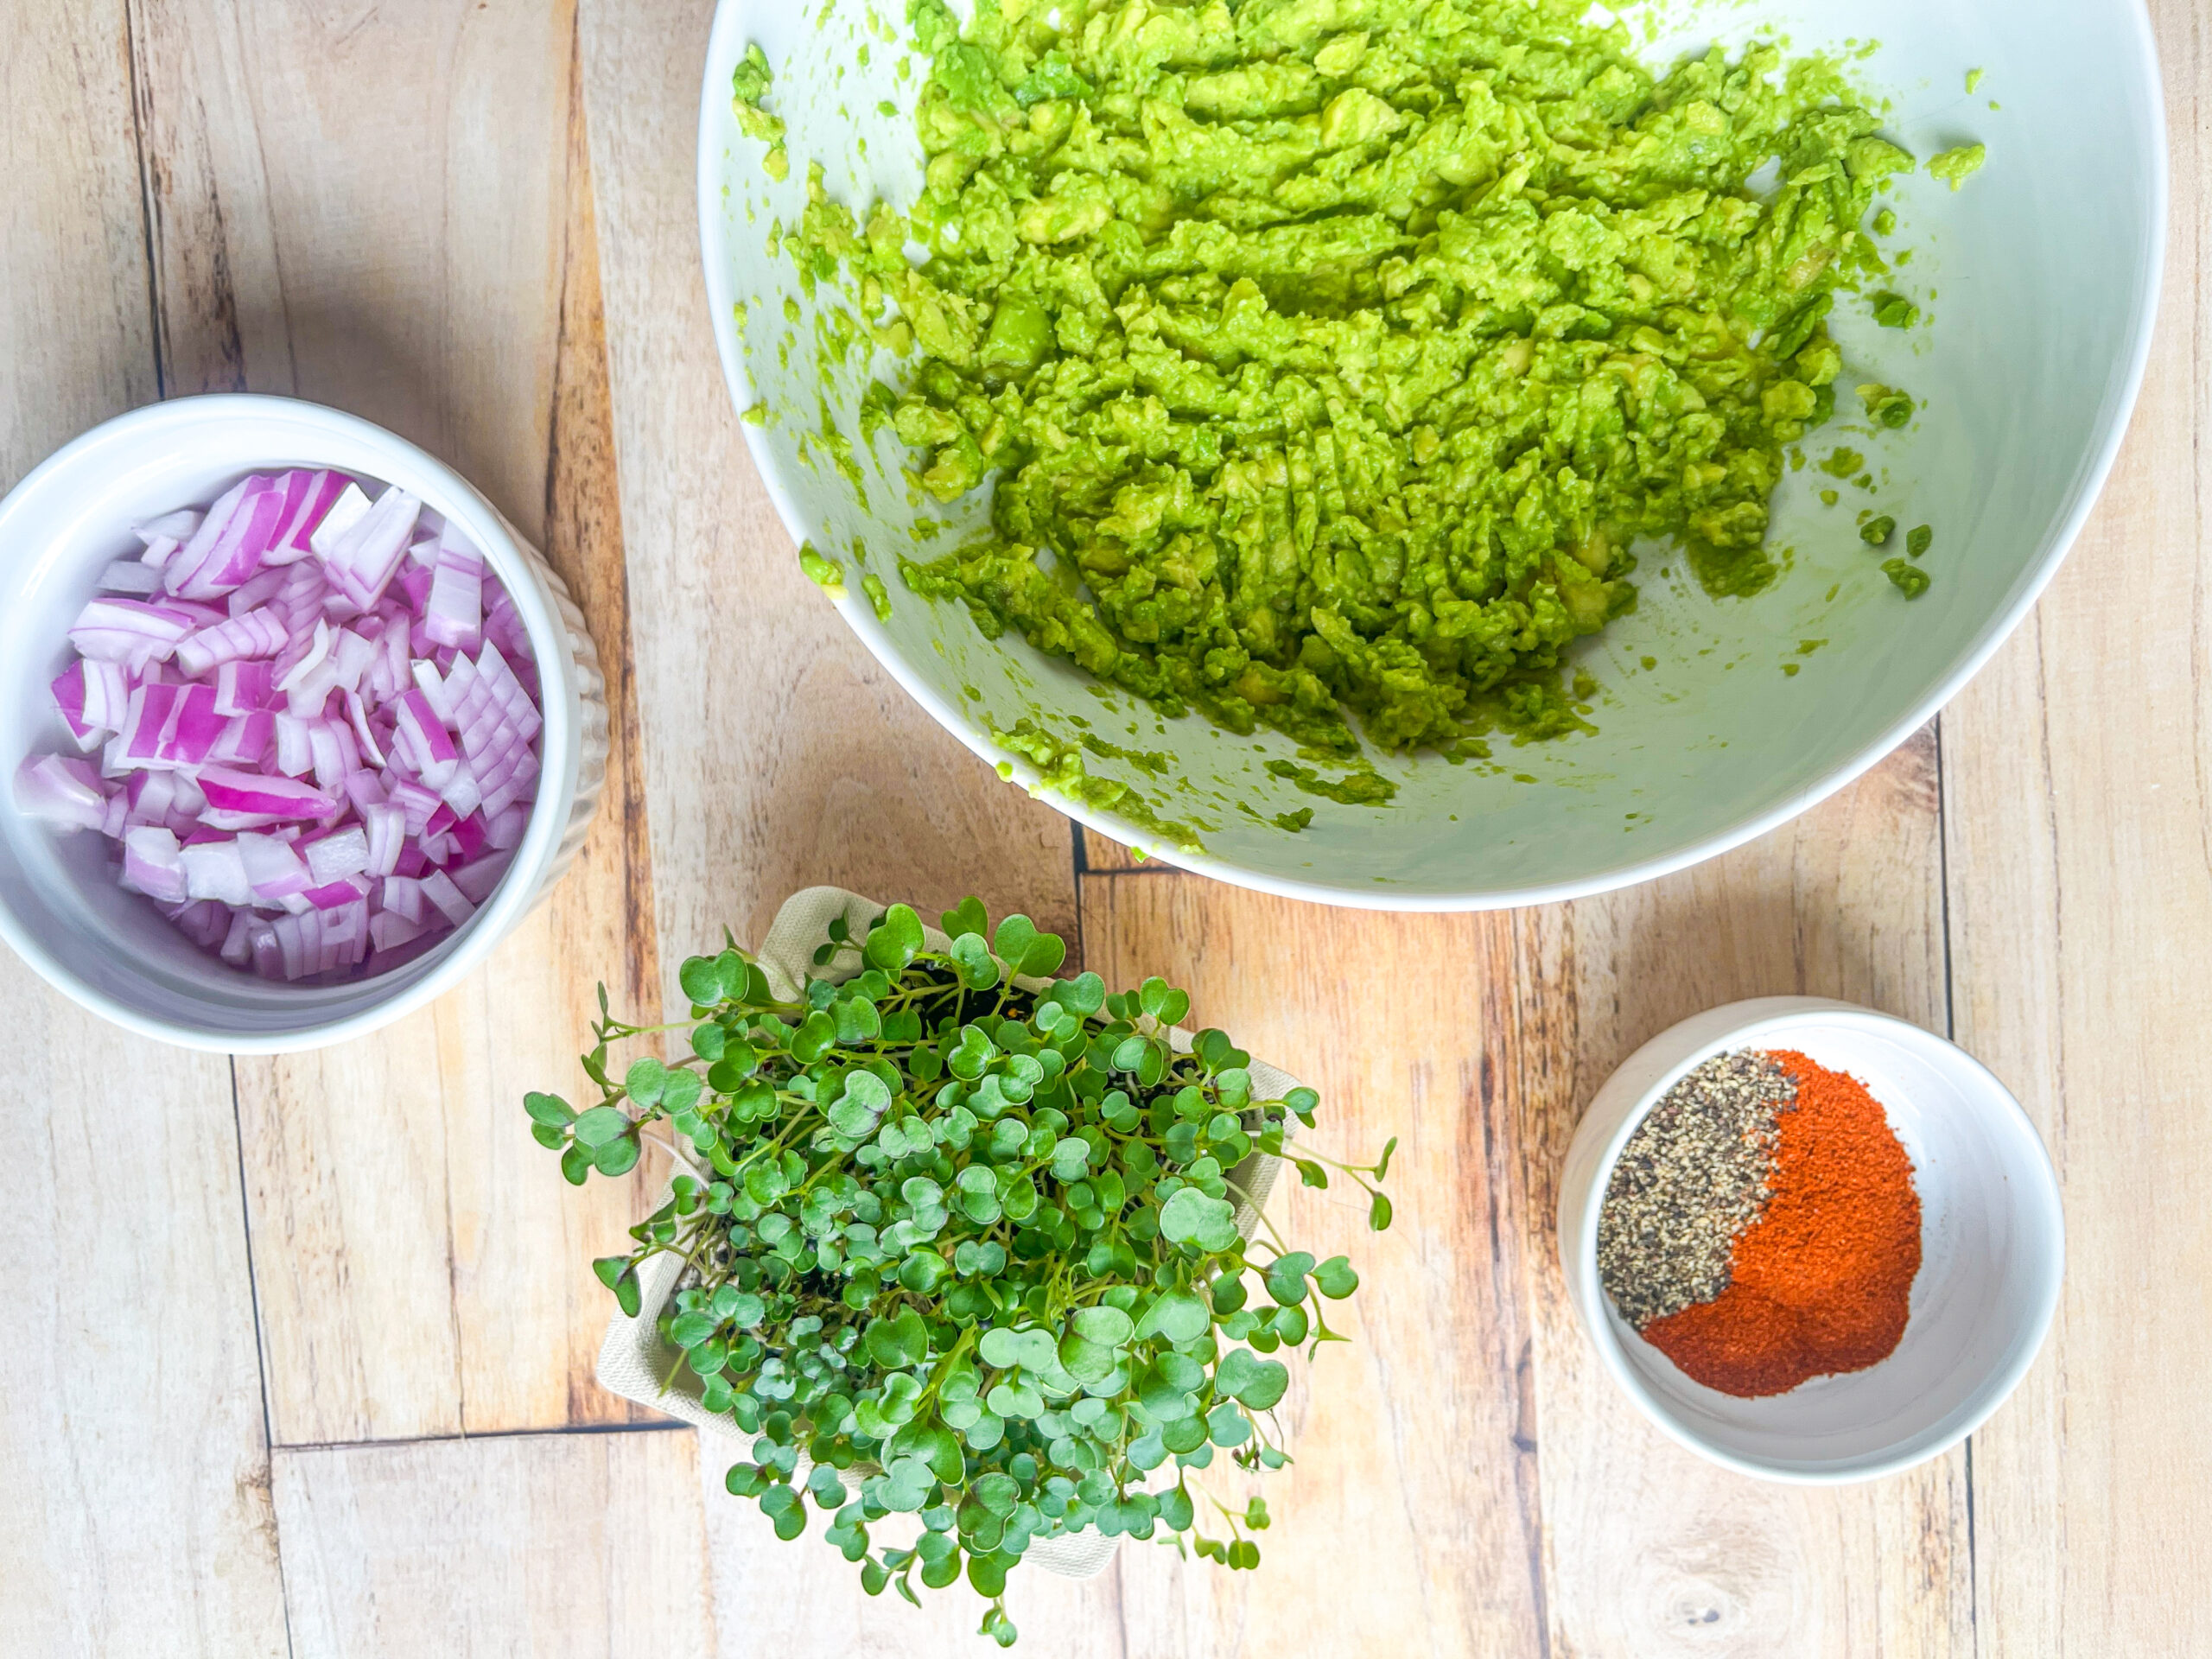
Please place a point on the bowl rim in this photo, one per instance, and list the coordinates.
(1763, 1017)
(445, 490)
(726, 46)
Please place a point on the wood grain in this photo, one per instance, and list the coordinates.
(540, 1546)
(2080, 821)
(134, 1516)
(390, 211)
(778, 753)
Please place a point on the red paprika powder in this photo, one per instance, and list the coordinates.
(1823, 1282)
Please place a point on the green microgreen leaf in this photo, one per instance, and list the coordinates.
(549, 1109)
(896, 941)
(967, 916)
(957, 1250)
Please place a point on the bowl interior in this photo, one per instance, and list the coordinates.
(1991, 1249)
(2039, 276)
(61, 526)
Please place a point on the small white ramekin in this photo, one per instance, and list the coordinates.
(60, 905)
(1992, 1249)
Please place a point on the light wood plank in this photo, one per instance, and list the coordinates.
(73, 319)
(534, 1546)
(1468, 1481)
(1406, 1524)
(390, 211)
(2078, 809)
(134, 1516)
(778, 753)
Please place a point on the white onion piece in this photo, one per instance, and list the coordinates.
(351, 507)
(64, 793)
(454, 615)
(131, 577)
(360, 563)
(216, 869)
(179, 527)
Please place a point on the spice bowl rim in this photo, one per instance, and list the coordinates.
(48, 522)
(1636, 1086)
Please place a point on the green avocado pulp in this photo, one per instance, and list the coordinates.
(1328, 357)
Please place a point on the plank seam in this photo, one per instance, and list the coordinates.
(154, 324)
(260, 1354)
(551, 1432)
(1951, 1030)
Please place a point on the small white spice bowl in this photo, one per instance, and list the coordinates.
(1991, 1239)
(61, 908)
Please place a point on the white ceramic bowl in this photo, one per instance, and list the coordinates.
(2047, 266)
(1991, 1239)
(60, 905)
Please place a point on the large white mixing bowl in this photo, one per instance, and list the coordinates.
(2045, 271)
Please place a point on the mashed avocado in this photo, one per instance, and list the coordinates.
(1328, 357)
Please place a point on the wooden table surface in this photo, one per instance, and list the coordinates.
(297, 1353)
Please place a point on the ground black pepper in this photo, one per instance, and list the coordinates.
(1692, 1178)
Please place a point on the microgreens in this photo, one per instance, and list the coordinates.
(970, 1251)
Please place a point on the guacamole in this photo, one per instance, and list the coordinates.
(1330, 357)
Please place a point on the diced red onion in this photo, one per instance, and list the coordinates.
(346, 890)
(245, 791)
(341, 852)
(362, 560)
(439, 889)
(347, 511)
(295, 750)
(151, 795)
(273, 868)
(419, 805)
(133, 577)
(152, 864)
(245, 740)
(257, 634)
(402, 896)
(309, 499)
(245, 687)
(389, 930)
(185, 562)
(332, 763)
(454, 615)
(61, 791)
(229, 560)
(421, 739)
(179, 526)
(299, 629)
(205, 922)
(216, 869)
(477, 878)
(267, 584)
(135, 631)
(387, 831)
